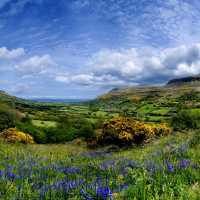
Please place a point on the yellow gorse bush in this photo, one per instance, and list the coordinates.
(122, 130)
(13, 135)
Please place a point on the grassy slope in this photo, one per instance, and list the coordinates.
(147, 103)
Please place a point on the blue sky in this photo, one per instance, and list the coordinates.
(83, 48)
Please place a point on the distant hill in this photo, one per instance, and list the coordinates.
(173, 89)
(185, 80)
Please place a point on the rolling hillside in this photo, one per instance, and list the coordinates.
(153, 103)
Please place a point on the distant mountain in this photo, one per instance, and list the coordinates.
(184, 80)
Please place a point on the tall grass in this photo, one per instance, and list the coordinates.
(167, 169)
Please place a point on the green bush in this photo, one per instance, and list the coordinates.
(185, 119)
(7, 118)
(83, 128)
(55, 135)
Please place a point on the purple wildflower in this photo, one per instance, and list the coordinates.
(1, 173)
(104, 192)
(170, 166)
(183, 164)
(11, 176)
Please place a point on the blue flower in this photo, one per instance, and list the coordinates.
(1, 173)
(170, 166)
(71, 170)
(183, 164)
(104, 192)
(11, 176)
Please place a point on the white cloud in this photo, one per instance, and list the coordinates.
(132, 66)
(35, 65)
(11, 54)
(91, 80)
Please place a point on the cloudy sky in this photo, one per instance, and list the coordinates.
(82, 48)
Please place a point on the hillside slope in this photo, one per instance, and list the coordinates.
(153, 103)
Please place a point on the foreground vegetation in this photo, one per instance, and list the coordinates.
(168, 168)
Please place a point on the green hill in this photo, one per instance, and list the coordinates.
(153, 103)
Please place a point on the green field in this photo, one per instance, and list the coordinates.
(40, 123)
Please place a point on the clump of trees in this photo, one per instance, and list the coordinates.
(66, 130)
(127, 131)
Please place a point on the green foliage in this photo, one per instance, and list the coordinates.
(64, 130)
(26, 119)
(7, 117)
(195, 140)
(93, 107)
(83, 128)
(185, 119)
(190, 96)
(38, 134)
(56, 135)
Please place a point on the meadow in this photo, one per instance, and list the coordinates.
(168, 168)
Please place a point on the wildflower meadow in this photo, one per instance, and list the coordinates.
(168, 169)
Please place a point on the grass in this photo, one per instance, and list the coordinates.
(47, 124)
(167, 168)
(161, 111)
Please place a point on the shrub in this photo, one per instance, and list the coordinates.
(126, 131)
(84, 128)
(59, 134)
(86, 131)
(7, 118)
(161, 129)
(13, 135)
(185, 119)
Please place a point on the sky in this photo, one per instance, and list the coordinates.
(83, 48)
